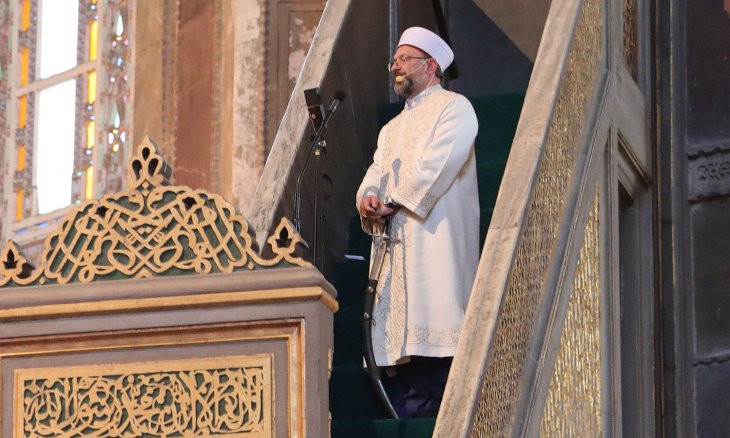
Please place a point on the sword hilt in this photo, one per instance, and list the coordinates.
(386, 231)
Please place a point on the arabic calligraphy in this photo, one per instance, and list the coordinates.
(151, 229)
(179, 399)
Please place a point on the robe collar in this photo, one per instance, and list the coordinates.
(420, 97)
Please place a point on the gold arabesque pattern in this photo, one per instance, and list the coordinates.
(573, 404)
(229, 396)
(496, 410)
(151, 229)
(14, 264)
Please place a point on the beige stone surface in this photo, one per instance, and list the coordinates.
(223, 133)
(197, 42)
(261, 212)
(463, 389)
(147, 76)
(521, 20)
(247, 100)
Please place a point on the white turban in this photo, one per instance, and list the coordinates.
(430, 43)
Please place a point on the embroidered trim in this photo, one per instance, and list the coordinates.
(403, 135)
(423, 334)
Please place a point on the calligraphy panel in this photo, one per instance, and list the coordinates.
(216, 397)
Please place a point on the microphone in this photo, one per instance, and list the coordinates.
(400, 78)
(339, 97)
(314, 106)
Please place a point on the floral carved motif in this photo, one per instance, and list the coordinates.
(195, 397)
(151, 229)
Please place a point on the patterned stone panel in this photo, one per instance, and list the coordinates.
(216, 397)
(573, 405)
(709, 176)
(495, 414)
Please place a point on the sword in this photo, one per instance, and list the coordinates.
(367, 327)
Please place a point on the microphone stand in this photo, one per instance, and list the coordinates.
(316, 148)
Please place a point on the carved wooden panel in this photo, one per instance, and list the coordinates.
(290, 29)
(152, 229)
(225, 396)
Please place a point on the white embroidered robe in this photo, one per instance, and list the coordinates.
(425, 163)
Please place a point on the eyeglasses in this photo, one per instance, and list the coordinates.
(402, 59)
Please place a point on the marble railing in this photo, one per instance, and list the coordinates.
(529, 359)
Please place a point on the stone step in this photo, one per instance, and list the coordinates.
(352, 395)
(383, 428)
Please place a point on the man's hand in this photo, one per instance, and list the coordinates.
(372, 208)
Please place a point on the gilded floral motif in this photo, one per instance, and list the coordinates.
(196, 397)
(152, 229)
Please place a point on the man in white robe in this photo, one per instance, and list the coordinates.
(424, 178)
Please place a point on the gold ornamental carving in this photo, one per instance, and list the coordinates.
(215, 397)
(151, 229)
(500, 394)
(573, 401)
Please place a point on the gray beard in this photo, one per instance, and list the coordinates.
(405, 88)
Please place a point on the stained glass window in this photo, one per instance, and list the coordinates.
(59, 26)
(63, 84)
(55, 146)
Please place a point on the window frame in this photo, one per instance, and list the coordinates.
(108, 144)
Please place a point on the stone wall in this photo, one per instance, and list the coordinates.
(701, 195)
(203, 81)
